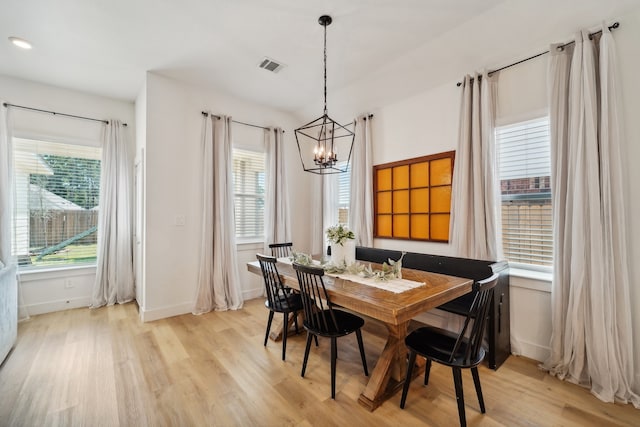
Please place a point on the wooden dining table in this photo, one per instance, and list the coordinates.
(394, 310)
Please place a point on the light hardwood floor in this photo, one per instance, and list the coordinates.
(104, 368)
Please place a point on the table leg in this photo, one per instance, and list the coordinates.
(387, 377)
(276, 334)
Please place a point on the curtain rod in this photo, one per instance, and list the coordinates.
(204, 113)
(6, 104)
(365, 117)
(561, 47)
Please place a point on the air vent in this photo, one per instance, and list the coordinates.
(271, 65)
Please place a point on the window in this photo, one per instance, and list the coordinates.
(57, 195)
(344, 191)
(525, 184)
(249, 191)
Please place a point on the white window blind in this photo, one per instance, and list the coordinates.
(525, 184)
(57, 195)
(344, 192)
(249, 191)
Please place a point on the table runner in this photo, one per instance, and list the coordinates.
(288, 261)
(396, 286)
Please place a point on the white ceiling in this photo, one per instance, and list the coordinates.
(378, 50)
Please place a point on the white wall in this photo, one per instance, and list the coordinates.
(173, 172)
(139, 196)
(418, 126)
(45, 291)
(33, 124)
(426, 123)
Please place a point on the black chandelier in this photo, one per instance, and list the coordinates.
(324, 140)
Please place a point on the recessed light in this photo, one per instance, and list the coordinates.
(21, 43)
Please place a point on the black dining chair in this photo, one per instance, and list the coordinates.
(281, 250)
(459, 351)
(280, 299)
(321, 319)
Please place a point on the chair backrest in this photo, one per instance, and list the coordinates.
(281, 250)
(477, 318)
(318, 310)
(273, 285)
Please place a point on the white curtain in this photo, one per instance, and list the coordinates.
(8, 267)
(361, 192)
(277, 218)
(591, 341)
(324, 210)
(475, 218)
(329, 205)
(6, 188)
(218, 278)
(317, 214)
(114, 271)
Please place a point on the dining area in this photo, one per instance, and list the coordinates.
(319, 297)
(489, 277)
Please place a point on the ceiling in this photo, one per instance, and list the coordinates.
(378, 50)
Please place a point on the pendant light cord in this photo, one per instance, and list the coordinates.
(325, 68)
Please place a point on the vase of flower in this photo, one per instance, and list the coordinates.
(343, 253)
(343, 245)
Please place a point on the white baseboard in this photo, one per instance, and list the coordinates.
(164, 312)
(534, 351)
(145, 315)
(252, 294)
(59, 305)
(186, 307)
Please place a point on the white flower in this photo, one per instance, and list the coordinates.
(338, 234)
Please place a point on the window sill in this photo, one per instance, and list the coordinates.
(531, 279)
(542, 276)
(250, 244)
(50, 273)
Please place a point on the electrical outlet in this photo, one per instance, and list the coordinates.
(180, 220)
(68, 284)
